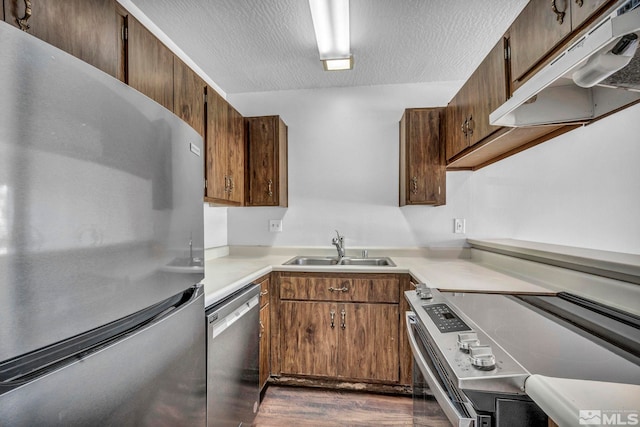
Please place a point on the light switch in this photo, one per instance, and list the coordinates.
(459, 225)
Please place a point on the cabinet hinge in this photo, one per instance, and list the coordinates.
(204, 96)
(124, 33)
(507, 52)
(205, 184)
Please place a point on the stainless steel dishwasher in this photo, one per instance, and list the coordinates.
(233, 389)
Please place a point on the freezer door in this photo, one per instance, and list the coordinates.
(153, 376)
(101, 189)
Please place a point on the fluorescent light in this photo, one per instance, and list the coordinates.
(338, 64)
(331, 24)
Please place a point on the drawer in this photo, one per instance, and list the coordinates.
(348, 288)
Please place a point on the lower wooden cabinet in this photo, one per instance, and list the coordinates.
(265, 333)
(339, 326)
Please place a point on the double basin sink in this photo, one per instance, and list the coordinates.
(318, 260)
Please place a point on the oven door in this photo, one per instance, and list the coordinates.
(426, 376)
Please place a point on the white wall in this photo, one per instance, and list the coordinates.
(581, 189)
(343, 170)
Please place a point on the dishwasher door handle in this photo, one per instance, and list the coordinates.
(223, 324)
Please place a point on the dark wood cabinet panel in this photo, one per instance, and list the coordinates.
(422, 161)
(150, 64)
(266, 162)
(188, 95)
(308, 332)
(224, 152)
(87, 29)
(331, 287)
(467, 117)
(236, 156)
(324, 334)
(535, 32)
(368, 342)
(487, 91)
(582, 10)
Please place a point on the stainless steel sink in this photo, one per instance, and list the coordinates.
(317, 260)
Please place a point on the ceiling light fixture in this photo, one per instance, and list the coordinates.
(331, 23)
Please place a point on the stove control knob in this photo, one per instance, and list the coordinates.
(482, 357)
(466, 340)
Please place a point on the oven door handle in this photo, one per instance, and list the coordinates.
(438, 392)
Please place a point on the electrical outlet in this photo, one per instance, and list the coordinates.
(459, 225)
(275, 225)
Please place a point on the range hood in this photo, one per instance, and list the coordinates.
(596, 75)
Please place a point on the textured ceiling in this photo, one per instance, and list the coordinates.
(267, 45)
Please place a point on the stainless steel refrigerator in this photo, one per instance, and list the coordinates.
(101, 235)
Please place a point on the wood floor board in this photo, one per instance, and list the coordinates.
(284, 406)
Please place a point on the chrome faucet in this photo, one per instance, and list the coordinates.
(338, 242)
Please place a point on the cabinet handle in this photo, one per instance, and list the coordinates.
(261, 330)
(470, 126)
(414, 185)
(342, 289)
(226, 183)
(263, 293)
(333, 316)
(231, 186)
(343, 315)
(269, 188)
(464, 127)
(22, 22)
(579, 3)
(559, 15)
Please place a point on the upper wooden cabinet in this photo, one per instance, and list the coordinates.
(266, 161)
(150, 64)
(188, 96)
(87, 29)
(541, 27)
(468, 113)
(224, 152)
(422, 162)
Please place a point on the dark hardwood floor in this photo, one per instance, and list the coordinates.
(285, 406)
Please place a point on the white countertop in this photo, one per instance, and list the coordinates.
(566, 401)
(227, 274)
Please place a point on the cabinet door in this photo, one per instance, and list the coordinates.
(265, 344)
(308, 333)
(535, 32)
(217, 157)
(150, 65)
(368, 342)
(581, 10)
(235, 155)
(87, 29)
(425, 175)
(487, 90)
(456, 140)
(266, 161)
(188, 101)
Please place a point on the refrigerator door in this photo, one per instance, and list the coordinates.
(100, 197)
(152, 375)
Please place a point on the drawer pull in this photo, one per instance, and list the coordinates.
(343, 315)
(559, 14)
(261, 330)
(263, 293)
(23, 22)
(333, 316)
(342, 289)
